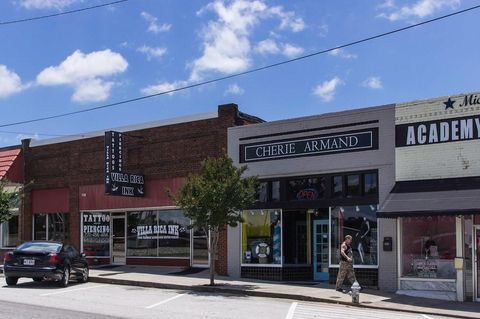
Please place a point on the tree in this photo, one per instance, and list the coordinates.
(215, 198)
(8, 200)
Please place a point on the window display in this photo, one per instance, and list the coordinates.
(428, 247)
(9, 231)
(51, 227)
(261, 237)
(96, 234)
(361, 223)
(162, 233)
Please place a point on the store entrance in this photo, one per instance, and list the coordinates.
(200, 248)
(118, 240)
(477, 262)
(320, 249)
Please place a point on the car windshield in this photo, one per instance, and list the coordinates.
(40, 246)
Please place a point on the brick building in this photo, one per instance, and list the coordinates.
(65, 197)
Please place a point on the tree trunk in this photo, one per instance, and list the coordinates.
(212, 248)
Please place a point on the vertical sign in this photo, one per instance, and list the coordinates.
(116, 181)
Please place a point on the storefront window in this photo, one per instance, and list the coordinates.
(295, 243)
(428, 247)
(161, 233)
(51, 227)
(96, 234)
(370, 183)
(275, 191)
(337, 186)
(9, 231)
(174, 235)
(353, 185)
(360, 222)
(306, 188)
(263, 192)
(261, 237)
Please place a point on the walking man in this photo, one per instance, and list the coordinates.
(346, 264)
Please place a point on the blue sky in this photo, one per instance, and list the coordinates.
(140, 47)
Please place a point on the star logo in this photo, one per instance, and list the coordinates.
(449, 104)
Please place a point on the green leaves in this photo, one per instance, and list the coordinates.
(214, 198)
(8, 200)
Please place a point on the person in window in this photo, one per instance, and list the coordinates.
(361, 239)
(431, 248)
(346, 264)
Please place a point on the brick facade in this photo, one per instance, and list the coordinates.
(162, 154)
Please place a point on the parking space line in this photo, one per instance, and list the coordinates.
(426, 317)
(70, 290)
(291, 311)
(165, 301)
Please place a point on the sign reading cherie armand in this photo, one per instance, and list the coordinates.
(352, 141)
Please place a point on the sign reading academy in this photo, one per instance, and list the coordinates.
(443, 130)
(116, 181)
(352, 141)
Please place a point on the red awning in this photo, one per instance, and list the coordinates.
(11, 165)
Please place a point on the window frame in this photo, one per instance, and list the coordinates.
(15, 212)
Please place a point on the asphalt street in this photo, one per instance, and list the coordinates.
(45, 300)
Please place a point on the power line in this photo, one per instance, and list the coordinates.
(61, 13)
(186, 87)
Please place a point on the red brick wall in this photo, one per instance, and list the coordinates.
(161, 153)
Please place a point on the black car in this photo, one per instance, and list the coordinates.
(45, 260)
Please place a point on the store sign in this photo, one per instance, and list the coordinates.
(438, 131)
(158, 231)
(310, 146)
(96, 233)
(438, 138)
(116, 181)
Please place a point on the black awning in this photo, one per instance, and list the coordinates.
(428, 201)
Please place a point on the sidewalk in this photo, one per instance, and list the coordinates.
(175, 278)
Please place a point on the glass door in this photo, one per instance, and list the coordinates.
(477, 262)
(118, 240)
(199, 248)
(320, 250)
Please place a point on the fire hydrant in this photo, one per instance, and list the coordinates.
(355, 292)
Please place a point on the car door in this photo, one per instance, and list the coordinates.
(76, 264)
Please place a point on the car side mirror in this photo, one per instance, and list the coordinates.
(83, 255)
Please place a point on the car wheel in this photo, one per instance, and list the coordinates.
(37, 279)
(65, 277)
(84, 275)
(11, 281)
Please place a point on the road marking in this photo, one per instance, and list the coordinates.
(291, 311)
(426, 317)
(165, 301)
(70, 290)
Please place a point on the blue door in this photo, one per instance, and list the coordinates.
(320, 250)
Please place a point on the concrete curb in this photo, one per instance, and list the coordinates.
(233, 291)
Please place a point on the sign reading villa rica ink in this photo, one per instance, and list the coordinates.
(116, 181)
(352, 141)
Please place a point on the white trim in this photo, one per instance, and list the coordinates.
(399, 251)
(475, 264)
(153, 257)
(459, 239)
(426, 279)
(124, 129)
(262, 265)
(127, 210)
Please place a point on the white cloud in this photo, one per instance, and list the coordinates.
(289, 20)
(291, 51)
(152, 52)
(373, 82)
(10, 82)
(86, 74)
(270, 46)
(267, 46)
(153, 25)
(234, 89)
(326, 90)
(226, 40)
(342, 54)
(419, 9)
(163, 87)
(46, 4)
